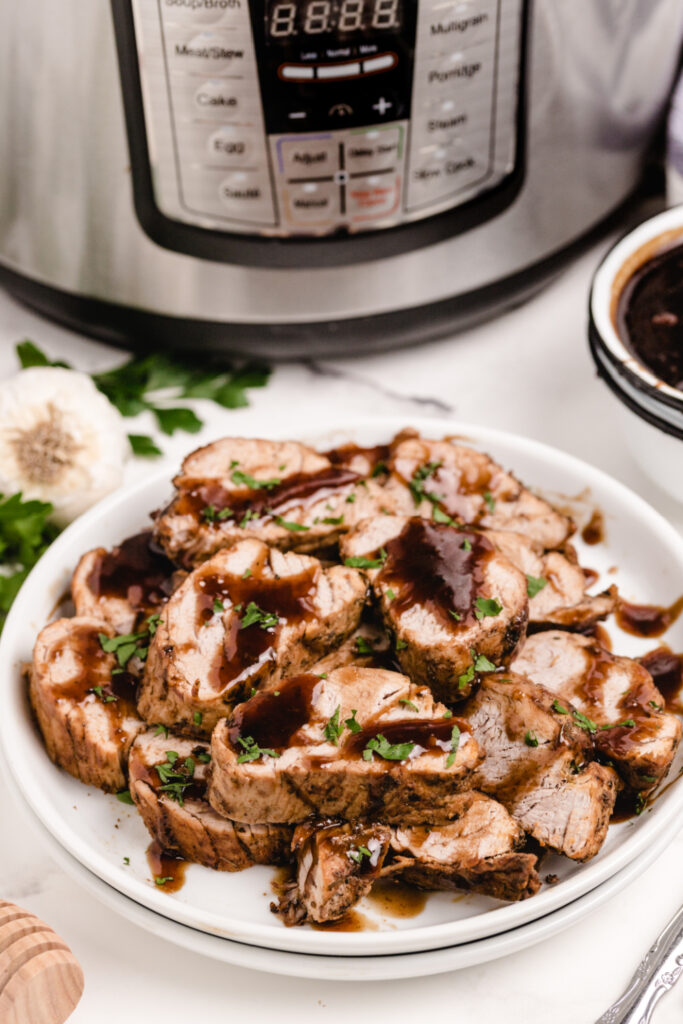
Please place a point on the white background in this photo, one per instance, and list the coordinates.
(528, 372)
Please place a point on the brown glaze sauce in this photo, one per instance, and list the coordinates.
(647, 619)
(273, 722)
(296, 489)
(352, 921)
(346, 454)
(397, 899)
(598, 632)
(244, 650)
(165, 865)
(427, 736)
(649, 315)
(429, 564)
(591, 576)
(134, 572)
(594, 530)
(666, 669)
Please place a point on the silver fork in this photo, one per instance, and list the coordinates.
(658, 971)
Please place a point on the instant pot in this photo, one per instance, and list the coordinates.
(293, 177)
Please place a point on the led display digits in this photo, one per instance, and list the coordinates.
(315, 17)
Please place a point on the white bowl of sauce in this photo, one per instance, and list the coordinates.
(636, 339)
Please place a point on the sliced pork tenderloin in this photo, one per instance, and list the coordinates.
(617, 700)
(167, 778)
(281, 492)
(539, 765)
(452, 601)
(249, 616)
(336, 864)
(449, 479)
(125, 585)
(85, 708)
(360, 743)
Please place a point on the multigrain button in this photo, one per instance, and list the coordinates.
(207, 51)
(461, 23)
(218, 98)
(312, 202)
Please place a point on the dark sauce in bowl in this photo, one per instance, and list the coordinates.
(649, 315)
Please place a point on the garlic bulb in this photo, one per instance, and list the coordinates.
(61, 440)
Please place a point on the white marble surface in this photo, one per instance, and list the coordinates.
(528, 372)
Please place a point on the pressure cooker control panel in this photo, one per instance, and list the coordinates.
(310, 117)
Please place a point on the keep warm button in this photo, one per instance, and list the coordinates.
(374, 196)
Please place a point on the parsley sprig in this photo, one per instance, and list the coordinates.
(381, 746)
(256, 616)
(25, 533)
(252, 751)
(175, 775)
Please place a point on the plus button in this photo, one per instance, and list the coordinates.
(382, 105)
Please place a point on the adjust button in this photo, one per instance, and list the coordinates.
(373, 150)
(312, 202)
(373, 197)
(308, 157)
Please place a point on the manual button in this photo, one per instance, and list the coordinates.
(312, 202)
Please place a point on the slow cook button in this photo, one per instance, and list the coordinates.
(230, 144)
(208, 51)
(244, 195)
(442, 175)
(218, 98)
(308, 158)
(374, 196)
(373, 150)
(312, 202)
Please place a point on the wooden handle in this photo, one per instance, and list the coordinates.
(41, 981)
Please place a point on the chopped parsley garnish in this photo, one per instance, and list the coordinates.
(152, 623)
(389, 593)
(252, 751)
(126, 861)
(204, 756)
(286, 525)
(197, 718)
(357, 855)
(161, 730)
(389, 751)
(124, 796)
(159, 880)
(256, 616)
(379, 467)
(247, 518)
(246, 574)
(351, 724)
(530, 738)
(649, 778)
(333, 729)
(584, 722)
(655, 705)
(442, 517)
(106, 698)
(247, 480)
(363, 645)
(466, 545)
(361, 562)
(408, 703)
(640, 803)
(416, 485)
(487, 607)
(351, 498)
(455, 615)
(455, 741)
(488, 498)
(129, 645)
(447, 714)
(628, 723)
(175, 776)
(534, 584)
(482, 663)
(218, 606)
(401, 645)
(466, 678)
(322, 675)
(556, 706)
(213, 515)
(333, 520)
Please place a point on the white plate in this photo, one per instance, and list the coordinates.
(354, 968)
(648, 554)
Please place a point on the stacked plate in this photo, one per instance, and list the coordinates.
(102, 841)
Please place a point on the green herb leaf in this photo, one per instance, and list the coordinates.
(252, 751)
(530, 738)
(466, 678)
(175, 775)
(466, 545)
(124, 796)
(389, 594)
(401, 645)
(197, 718)
(556, 706)
(488, 498)
(361, 562)
(30, 355)
(379, 468)
(487, 607)
(455, 742)
(389, 751)
(442, 517)
(161, 730)
(351, 498)
(333, 729)
(162, 881)
(144, 446)
(125, 646)
(534, 584)
(215, 515)
(455, 615)
(25, 533)
(333, 520)
(218, 606)
(246, 480)
(363, 645)
(482, 663)
(256, 616)
(126, 861)
(170, 420)
(628, 723)
(293, 527)
(351, 724)
(416, 485)
(583, 722)
(408, 703)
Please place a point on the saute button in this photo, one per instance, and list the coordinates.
(244, 194)
(312, 202)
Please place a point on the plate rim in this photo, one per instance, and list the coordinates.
(495, 921)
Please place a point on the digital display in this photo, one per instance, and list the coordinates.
(305, 18)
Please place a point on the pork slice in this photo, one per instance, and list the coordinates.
(557, 584)
(125, 585)
(360, 743)
(248, 617)
(470, 487)
(336, 864)
(178, 815)
(448, 596)
(281, 492)
(618, 702)
(539, 765)
(84, 708)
